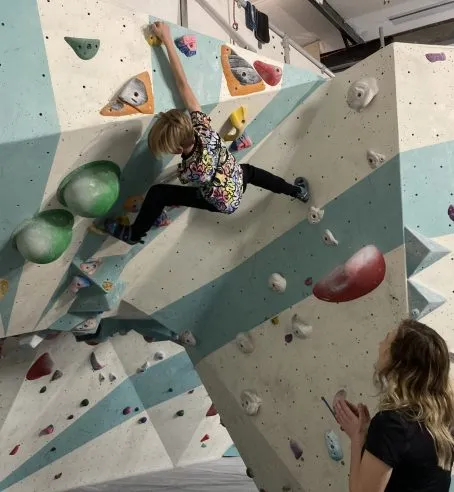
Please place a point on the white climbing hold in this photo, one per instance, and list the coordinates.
(361, 93)
(31, 341)
(329, 238)
(187, 338)
(159, 356)
(244, 343)
(101, 377)
(375, 159)
(144, 367)
(134, 93)
(299, 328)
(112, 377)
(251, 402)
(277, 282)
(315, 215)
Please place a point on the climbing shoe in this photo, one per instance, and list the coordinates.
(120, 231)
(303, 186)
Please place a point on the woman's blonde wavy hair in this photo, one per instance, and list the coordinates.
(416, 382)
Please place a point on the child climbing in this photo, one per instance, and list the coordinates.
(218, 180)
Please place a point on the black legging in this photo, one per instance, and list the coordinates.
(163, 195)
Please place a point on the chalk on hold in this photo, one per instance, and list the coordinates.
(187, 338)
(271, 74)
(333, 445)
(14, 450)
(375, 159)
(251, 402)
(315, 215)
(340, 395)
(90, 266)
(361, 93)
(435, 57)
(41, 367)
(187, 44)
(299, 328)
(244, 343)
(329, 239)
(78, 282)
(277, 282)
(415, 313)
(31, 341)
(159, 355)
(56, 375)
(238, 121)
(84, 48)
(47, 430)
(112, 377)
(297, 450)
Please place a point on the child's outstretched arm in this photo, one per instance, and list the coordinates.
(163, 32)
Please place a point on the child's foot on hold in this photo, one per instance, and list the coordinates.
(121, 232)
(304, 193)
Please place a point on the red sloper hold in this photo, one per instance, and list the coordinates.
(361, 274)
(41, 367)
(212, 411)
(270, 73)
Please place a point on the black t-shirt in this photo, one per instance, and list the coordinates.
(408, 448)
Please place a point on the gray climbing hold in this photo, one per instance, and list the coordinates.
(329, 239)
(315, 215)
(101, 377)
(251, 402)
(277, 283)
(56, 375)
(84, 48)
(244, 343)
(134, 93)
(112, 377)
(187, 338)
(422, 300)
(361, 93)
(421, 252)
(299, 328)
(333, 445)
(375, 159)
(159, 356)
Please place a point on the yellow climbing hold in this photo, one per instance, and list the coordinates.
(3, 287)
(151, 38)
(275, 320)
(238, 122)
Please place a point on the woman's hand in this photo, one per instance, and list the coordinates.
(161, 30)
(353, 420)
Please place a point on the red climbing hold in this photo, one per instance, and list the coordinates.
(212, 411)
(41, 367)
(205, 438)
(271, 74)
(361, 274)
(48, 430)
(14, 450)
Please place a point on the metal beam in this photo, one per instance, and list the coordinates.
(337, 20)
(184, 13)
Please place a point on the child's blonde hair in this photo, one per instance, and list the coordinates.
(172, 131)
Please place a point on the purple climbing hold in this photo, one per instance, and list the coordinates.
(127, 410)
(187, 45)
(56, 375)
(142, 420)
(46, 431)
(434, 57)
(451, 212)
(297, 450)
(308, 281)
(288, 338)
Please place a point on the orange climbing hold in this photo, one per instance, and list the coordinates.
(41, 367)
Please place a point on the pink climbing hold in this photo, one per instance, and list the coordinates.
(46, 431)
(205, 438)
(127, 410)
(358, 276)
(271, 74)
(451, 212)
(41, 367)
(14, 450)
(211, 411)
(187, 44)
(244, 141)
(308, 281)
(297, 450)
(434, 57)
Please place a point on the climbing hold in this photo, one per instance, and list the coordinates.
(249, 472)
(315, 215)
(271, 74)
(286, 488)
(251, 402)
(244, 141)
(136, 409)
(101, 377)
(45, 237)
(375, 159)
(135, 97)
(361, 93)
(70, 417)
(241, 77)
(244, 343)
(308, 281)
(297, 450)
(142, 420)
(340, 395)
(180, 413)
(288, 338)
(159, 356)
(84, 48)
(170, 390)
(84, 402)
(205, 438)
(41, 367)
(133, 203)
(415, 313)
(53, 449)
(90, 325)
(96, 360)
(107, 285)
(31, 341)
(162, 221)
(451, 212)
(144, 367)
(47, 430)
(211, 411)
(333, 445)
(112, 377)
(361, 274)
(277, 282)
(204, 445)
(422, 300)
(434, 57)
(238, 121)
(89, 267)
(187, 44)
(187, 338)
(150, 36)
(58, 475)
(4, 285)
(299, 328)
(14, 450)
(43, 389)
(91, 189)
(421, 252)
(78, 282)
(56, 375)
(329, 238)
(275, 320)
(127, 410)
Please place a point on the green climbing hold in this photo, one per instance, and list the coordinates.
(84, 48)
(91, 190)
(45, 237)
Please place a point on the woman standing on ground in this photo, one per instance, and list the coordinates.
(408, 446)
